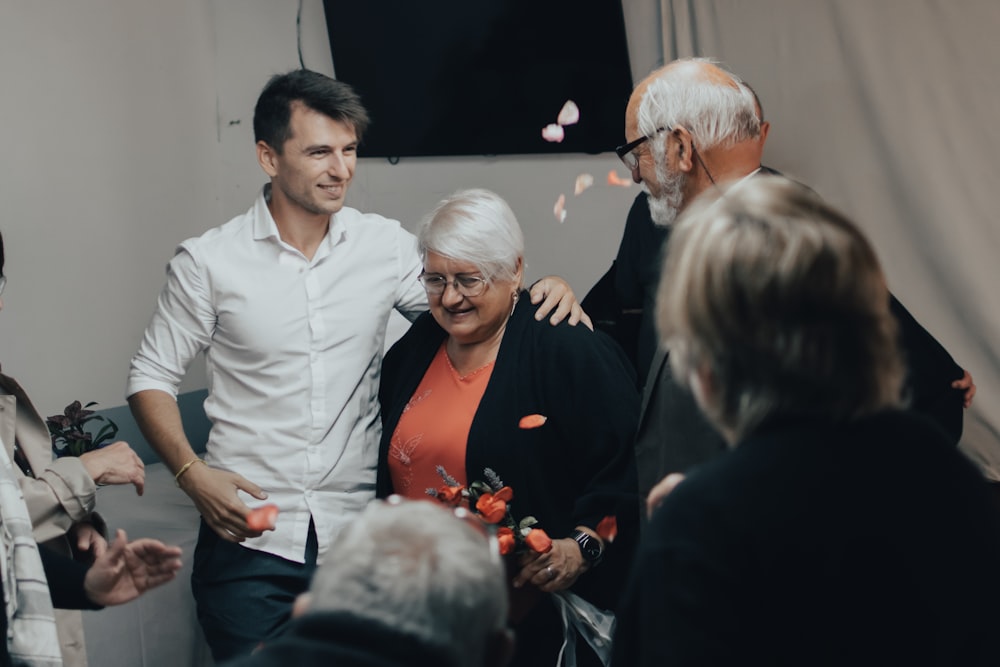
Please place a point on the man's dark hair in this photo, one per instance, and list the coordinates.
(332, 98)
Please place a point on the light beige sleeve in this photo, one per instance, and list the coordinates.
(61, 495)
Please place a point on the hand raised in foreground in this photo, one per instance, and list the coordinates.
(128, 569)
(115, 464)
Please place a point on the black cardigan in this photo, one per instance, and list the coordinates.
(575, 469)
(873, 542)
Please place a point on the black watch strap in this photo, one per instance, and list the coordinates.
(590, 547)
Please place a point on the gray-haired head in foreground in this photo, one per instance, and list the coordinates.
(415, 567)
(475, 226)
(776, 304)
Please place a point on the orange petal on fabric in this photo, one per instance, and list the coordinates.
(615, 179)
(264, 517)
(505, 537)
(553, 133)
(583, 181)
(532, 421)
(538, 541)
(505, 494)
(607, 528)
(569, 114)
(559, 210)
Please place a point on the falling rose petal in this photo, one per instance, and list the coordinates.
(559, 210)
(615, 179)
(583, 181)
(264, 517)
(570, 114)
(553, 133)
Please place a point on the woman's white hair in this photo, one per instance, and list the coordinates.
(414, 567)
(779, 302)
(475, 226)
(714, 112)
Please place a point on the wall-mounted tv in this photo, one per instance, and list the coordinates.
(482, 77)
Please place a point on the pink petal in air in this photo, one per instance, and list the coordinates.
(559, 209)
(583, 181)
(570, 114)
(553, 133)
(615, 179)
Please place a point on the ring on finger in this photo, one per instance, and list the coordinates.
(550, 572)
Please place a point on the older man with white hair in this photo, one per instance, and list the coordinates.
(693, 126)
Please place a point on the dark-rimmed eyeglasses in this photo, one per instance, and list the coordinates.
(471, 286)
(626, 153)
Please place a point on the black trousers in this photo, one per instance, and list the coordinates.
(244, 597)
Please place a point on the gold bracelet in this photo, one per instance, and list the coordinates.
(184, 469)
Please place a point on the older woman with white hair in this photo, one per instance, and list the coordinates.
(839, 529)
(478, 383)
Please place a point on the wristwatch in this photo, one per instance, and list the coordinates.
(590, 547)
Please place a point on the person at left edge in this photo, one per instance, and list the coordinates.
(61, 494)
(289, 302)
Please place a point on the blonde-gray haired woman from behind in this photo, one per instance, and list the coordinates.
(478, 383)
(839, 529)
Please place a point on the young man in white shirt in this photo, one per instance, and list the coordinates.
(289, 302)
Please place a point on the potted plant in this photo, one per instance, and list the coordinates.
(67, 430)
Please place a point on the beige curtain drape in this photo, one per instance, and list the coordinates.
(890, 109)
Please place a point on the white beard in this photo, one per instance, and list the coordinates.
(663, 208)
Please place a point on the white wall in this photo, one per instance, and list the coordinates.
(129, 129)
(111, 157)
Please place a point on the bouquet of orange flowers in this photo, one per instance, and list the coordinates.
(490, 500)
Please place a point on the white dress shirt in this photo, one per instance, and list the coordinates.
(293, 350)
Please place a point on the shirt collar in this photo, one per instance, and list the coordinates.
(265, 228)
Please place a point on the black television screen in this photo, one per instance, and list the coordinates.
(482, 77)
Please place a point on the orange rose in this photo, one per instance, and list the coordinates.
(607, 528)
(538, 541)
(505, 536)
(452, 495)
(492, 507)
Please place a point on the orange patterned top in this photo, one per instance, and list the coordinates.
(434, 427)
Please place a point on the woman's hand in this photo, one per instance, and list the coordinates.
(554, 571)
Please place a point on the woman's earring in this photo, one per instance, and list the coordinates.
(514, 305)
